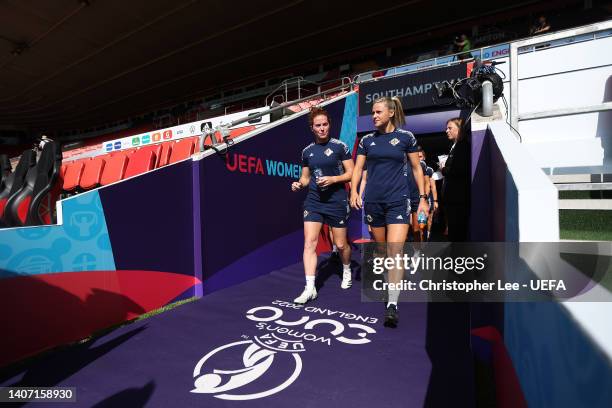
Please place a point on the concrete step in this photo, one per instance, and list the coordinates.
(583, 186)
(580, 204)
(581, 178)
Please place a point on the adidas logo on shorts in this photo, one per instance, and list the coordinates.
(305, 213)
(399, 217)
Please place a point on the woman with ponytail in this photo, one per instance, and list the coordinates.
(394, 170)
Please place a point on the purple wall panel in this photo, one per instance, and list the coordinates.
(481, 200)
(150, 220)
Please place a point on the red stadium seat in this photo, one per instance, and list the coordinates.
(156, 149)
(92, 173)
(14, 182)
(126, 152)
(164, 155)
(114, 169)
(45, 190)
(140, 162)
(241, 131)
(72, 176)
(216, 138)
(183, 149)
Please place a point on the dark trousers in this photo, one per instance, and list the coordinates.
(458, 217)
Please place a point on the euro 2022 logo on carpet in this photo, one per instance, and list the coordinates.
(272, 361)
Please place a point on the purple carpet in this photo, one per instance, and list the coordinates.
(249, 346)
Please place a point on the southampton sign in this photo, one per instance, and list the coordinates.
(415, 89)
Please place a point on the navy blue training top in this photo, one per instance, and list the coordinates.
(390, 175)
(326, 160)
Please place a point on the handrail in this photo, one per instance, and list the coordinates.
(287, 104)
(299, 80)
(541, 39)
(428, 63)
(601, 107)
(224, 128)
(284, 84)
(447, 60)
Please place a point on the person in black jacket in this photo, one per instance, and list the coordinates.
(456, 187)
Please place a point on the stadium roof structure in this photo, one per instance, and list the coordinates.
(66, 64)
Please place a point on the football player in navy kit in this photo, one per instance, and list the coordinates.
(326, 167)
(392, 160)
(431, 191)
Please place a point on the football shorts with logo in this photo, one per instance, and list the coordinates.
(381, 214)
(334, 216)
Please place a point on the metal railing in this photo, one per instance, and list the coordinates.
(298, 81)
(285, 85)
(223, 129)
(543, 42)
(483, 53)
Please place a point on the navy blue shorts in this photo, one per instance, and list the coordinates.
(338, 220)
(381, 214)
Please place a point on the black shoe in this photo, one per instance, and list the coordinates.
(391, 316)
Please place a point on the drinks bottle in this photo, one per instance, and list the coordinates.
(318, 173)
(422, 220)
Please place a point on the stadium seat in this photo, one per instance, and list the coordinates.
(42, 204)
(140, 162)
(164, 155)
(183, 149)
(126, 152)
(20, 196)
(241, 131)
(5, 168)
(72, 177)
(92, 173)
(6, 181)
(114, 169)
(156, 149)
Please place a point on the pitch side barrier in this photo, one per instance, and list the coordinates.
(560, 98)
(560, 351)
(182, 230)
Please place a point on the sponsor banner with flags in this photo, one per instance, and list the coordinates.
(182, 131)
(416, 90)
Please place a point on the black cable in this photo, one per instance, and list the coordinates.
(511, 127)
(470, 115)
(502, 72)
(212, 145)
(222, 153)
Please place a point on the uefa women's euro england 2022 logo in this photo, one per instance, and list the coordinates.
(269, 362)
